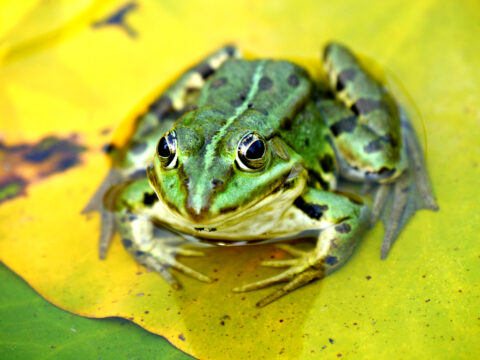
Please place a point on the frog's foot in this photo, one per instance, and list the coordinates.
(303, 269)
(163, 255)
(395, 203)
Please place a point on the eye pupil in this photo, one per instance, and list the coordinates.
(163, 149)
(255, 150)
(252, 154)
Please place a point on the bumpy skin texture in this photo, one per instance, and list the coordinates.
(239, 150)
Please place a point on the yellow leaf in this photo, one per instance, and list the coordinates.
(422, 302)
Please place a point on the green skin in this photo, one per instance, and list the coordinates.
(205, 187)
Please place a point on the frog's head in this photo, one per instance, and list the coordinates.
(208, 169)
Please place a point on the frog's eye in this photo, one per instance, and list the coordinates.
(252, 153)
(167, 150)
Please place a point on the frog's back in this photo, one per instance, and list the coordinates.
(271, 90)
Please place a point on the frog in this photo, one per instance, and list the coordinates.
(237, 151)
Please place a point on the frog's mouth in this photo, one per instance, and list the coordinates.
(255, 221)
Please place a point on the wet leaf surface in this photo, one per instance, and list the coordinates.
(422, 301)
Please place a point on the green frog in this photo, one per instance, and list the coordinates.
(237, 151)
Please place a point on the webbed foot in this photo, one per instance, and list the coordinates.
(395, 203)
(163, 255)
(303, 269)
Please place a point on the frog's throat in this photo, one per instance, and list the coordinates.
(250, 222)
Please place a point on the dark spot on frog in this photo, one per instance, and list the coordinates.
(181, 337)
(265, 83)
(315, 211)
(327, 163)
(230, 50)
(138, 147)
(250, 105)
(149, 198)
(139, 253)
(319, 179)
(205, 70)
(217, 183)
(218, 83)
(262, 111)
(331, 341)
(228, 209)
(347, 124)
(365, 106)
(331, 260)
(383, 173)
(389, 139)
(307, 142)
(368, 277)
(118, 19)
(237, 102)
(343, 228)
(132, 217)
(105, 131)
(127, 243)
(161, 106)
(386, 172)
(345, 76)
(293, 80)
(199, 229)
(373, 146)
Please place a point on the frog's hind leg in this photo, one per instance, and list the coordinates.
(375, 143)
(340, 221)
(410, 192)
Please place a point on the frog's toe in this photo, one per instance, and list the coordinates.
(107, 230)
(300, 272)
(400, 202)
(280, 263)
(163, 270)
(162, 258)
(295, 278)
(190, 272)
(190, 252)
(301, 279)
(298, 254)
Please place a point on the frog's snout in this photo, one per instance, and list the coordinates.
(199, 202)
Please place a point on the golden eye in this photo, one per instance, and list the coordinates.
(167, 150)
(252, 153)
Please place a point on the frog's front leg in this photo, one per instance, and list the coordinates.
(134, 221)
(340, 220)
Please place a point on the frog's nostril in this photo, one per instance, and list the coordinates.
(186, 182)
(216, 183)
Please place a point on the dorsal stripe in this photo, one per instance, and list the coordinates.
(210, 150)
